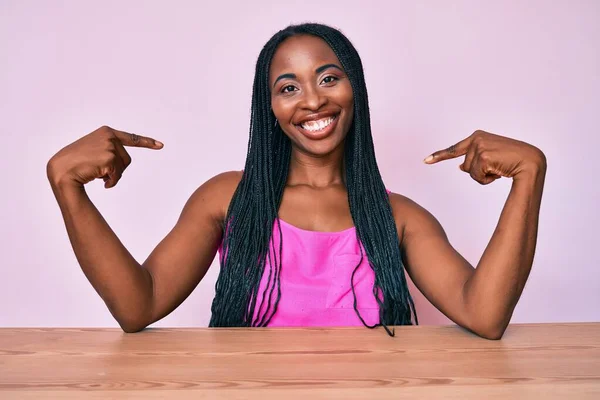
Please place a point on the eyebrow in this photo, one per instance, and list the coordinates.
(318, 71)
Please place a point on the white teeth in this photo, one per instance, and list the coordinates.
(318, 125)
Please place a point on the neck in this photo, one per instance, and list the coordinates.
(316, 172)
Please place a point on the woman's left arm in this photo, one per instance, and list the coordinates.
(491, 292)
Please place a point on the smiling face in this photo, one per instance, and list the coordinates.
(311, 95)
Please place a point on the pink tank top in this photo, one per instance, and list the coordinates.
(316, 268)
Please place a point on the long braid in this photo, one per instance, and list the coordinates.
(254, 207)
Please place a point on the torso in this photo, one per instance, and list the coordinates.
(318, 262)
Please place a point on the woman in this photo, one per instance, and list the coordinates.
(307, 233)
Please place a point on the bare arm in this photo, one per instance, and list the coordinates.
(123, 284)
(183, 257)
(482, 299)
(138, 295)
(436, 268)
(492, 292)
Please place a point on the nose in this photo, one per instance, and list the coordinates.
(313, 99)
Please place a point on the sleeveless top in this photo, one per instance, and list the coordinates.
(316, 269)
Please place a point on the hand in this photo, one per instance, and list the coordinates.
(490, 157)
(100, 154)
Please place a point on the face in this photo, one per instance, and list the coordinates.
(311, 95)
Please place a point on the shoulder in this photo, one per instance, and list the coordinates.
(214, 195)
(411, 218)
(224, 183)
(402, 204)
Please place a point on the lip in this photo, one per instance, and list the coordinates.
(317, 116)
(322, 133)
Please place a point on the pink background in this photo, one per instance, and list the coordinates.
(182, 72)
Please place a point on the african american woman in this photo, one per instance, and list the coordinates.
(307, 234)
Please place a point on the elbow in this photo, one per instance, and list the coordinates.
(487, 327)
(131, 318)
(487, 324)
(132, 327)
(491, 334)
(132, 323)
(490, 330)
(132, 330)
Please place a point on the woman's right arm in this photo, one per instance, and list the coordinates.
(136, 294)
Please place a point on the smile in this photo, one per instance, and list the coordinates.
(318, 125)
(319, 128)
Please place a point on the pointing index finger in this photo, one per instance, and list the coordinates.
(133, 140)
(456, 150)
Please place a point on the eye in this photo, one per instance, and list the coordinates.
(330, 79)
(288, 89)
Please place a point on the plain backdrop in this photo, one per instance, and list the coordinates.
(182, 71)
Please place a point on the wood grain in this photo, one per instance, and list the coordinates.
(532, 360)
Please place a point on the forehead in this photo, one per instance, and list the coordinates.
(301, 54)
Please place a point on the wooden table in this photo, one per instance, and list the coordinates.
(542, 361)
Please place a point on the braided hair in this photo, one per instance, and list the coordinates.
(253, 210)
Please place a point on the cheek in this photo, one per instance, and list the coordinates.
(283, 110)
(349, 106)
(347, 99)
(275, 107)
(351, 114)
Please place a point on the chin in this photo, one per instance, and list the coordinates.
(319, 148)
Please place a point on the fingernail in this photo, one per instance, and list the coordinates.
(159, 144)
(428, 159)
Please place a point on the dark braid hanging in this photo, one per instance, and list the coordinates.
(254, 207)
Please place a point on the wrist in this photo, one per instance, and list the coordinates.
(68, 194)
(529, 181)
(58, 180)
(533, 171)
(63, 186)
